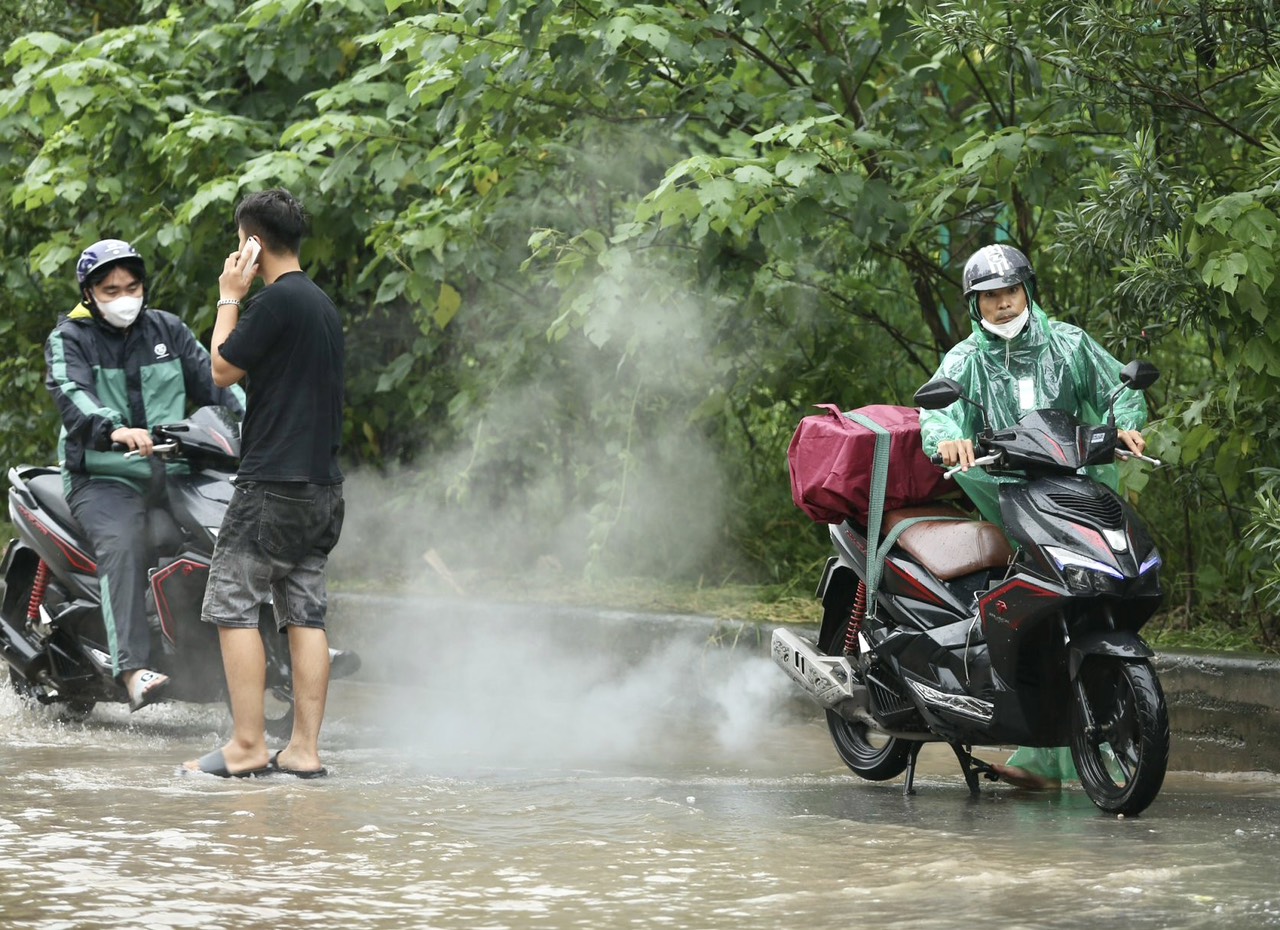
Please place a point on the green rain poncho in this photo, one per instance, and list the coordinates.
(1049, 364)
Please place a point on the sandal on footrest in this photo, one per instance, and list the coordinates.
(145, 688)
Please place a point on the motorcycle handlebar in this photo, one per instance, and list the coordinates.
(983, 460)
(1126, 454)
(156, 449)
(994, 457)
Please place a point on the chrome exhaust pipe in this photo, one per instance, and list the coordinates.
(829, 680)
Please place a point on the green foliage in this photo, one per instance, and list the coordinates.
(1263, 535)
(597, 259)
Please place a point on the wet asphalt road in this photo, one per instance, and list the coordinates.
(524, 781)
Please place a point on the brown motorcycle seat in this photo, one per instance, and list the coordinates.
(950, 549)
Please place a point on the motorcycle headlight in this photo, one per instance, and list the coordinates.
(1066, 559)
(1084, 574)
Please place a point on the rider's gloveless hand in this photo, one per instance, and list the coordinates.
(957, 452)
(1133, 440)
(137, 439)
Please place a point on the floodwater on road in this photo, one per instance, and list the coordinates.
(535, 786)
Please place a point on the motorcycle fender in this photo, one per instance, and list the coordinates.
(1119, 644)
(21, 653)
(9, 552)
(832, 562)
(836, 591)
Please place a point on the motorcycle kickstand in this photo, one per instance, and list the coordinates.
(908, 787)
(972, 768)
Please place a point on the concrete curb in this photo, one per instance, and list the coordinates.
(1224, 709)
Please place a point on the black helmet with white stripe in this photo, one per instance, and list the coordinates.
(995, 266)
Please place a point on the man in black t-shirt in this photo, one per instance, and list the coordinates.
(286, 513)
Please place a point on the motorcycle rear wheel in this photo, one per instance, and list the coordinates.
(1122, 763)
(73, 711)
(880, 760)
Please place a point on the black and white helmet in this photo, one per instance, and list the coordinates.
(995, 266)
(99, 257)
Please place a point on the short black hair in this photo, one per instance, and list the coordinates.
(134, 265)
(276, 217)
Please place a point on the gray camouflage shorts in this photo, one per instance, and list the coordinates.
(273, 546)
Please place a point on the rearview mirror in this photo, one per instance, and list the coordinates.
(939, 394)
(1139, 375)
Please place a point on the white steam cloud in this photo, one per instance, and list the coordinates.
(596, 460)
(475, 686)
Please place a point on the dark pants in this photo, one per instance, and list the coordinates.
(114, 517)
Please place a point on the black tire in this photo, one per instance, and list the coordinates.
(868, 755)
(278, 707)
(880, 760)
(1123, 762)
(73, 711)
(281, 726)
(279, 696)
(22, 688)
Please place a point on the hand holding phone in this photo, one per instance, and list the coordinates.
(251, 250)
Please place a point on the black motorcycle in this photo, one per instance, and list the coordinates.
(51, 629)
(971, 641)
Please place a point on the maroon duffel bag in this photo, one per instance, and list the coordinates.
(832, 459)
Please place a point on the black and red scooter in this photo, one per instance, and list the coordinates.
(52, 634)
(971, 641)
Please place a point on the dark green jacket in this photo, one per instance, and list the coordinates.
(103, 378)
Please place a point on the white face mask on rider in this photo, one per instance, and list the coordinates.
(1009, 328)
(122, 311)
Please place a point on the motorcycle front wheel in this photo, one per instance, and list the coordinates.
(869, 755)
(1122, 761)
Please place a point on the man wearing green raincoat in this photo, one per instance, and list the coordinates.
(1017, 360)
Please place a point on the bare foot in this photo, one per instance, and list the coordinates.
(1021, 778)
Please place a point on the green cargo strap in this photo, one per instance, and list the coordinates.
(876, 550)
(875, 506)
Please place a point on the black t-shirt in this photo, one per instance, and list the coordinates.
(289, 341)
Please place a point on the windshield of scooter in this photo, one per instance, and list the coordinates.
(210, 431)
(1053, 441)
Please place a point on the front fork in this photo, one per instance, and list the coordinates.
(1109, 641)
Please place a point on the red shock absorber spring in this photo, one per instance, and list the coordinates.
(856, 616)
(38, 588)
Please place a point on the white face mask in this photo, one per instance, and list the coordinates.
(122, 311)
(1009, 329)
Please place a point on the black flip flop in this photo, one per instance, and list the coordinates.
(275, 766)
(215, 763)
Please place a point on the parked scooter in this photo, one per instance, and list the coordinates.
(973, 642)
(51, 629)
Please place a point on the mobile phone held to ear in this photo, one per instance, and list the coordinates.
(252, 248)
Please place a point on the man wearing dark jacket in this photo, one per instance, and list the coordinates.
(116, 368)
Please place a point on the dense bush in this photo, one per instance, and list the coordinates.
(596, 259)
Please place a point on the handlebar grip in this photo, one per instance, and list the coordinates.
(158, 449)
(936, 460)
